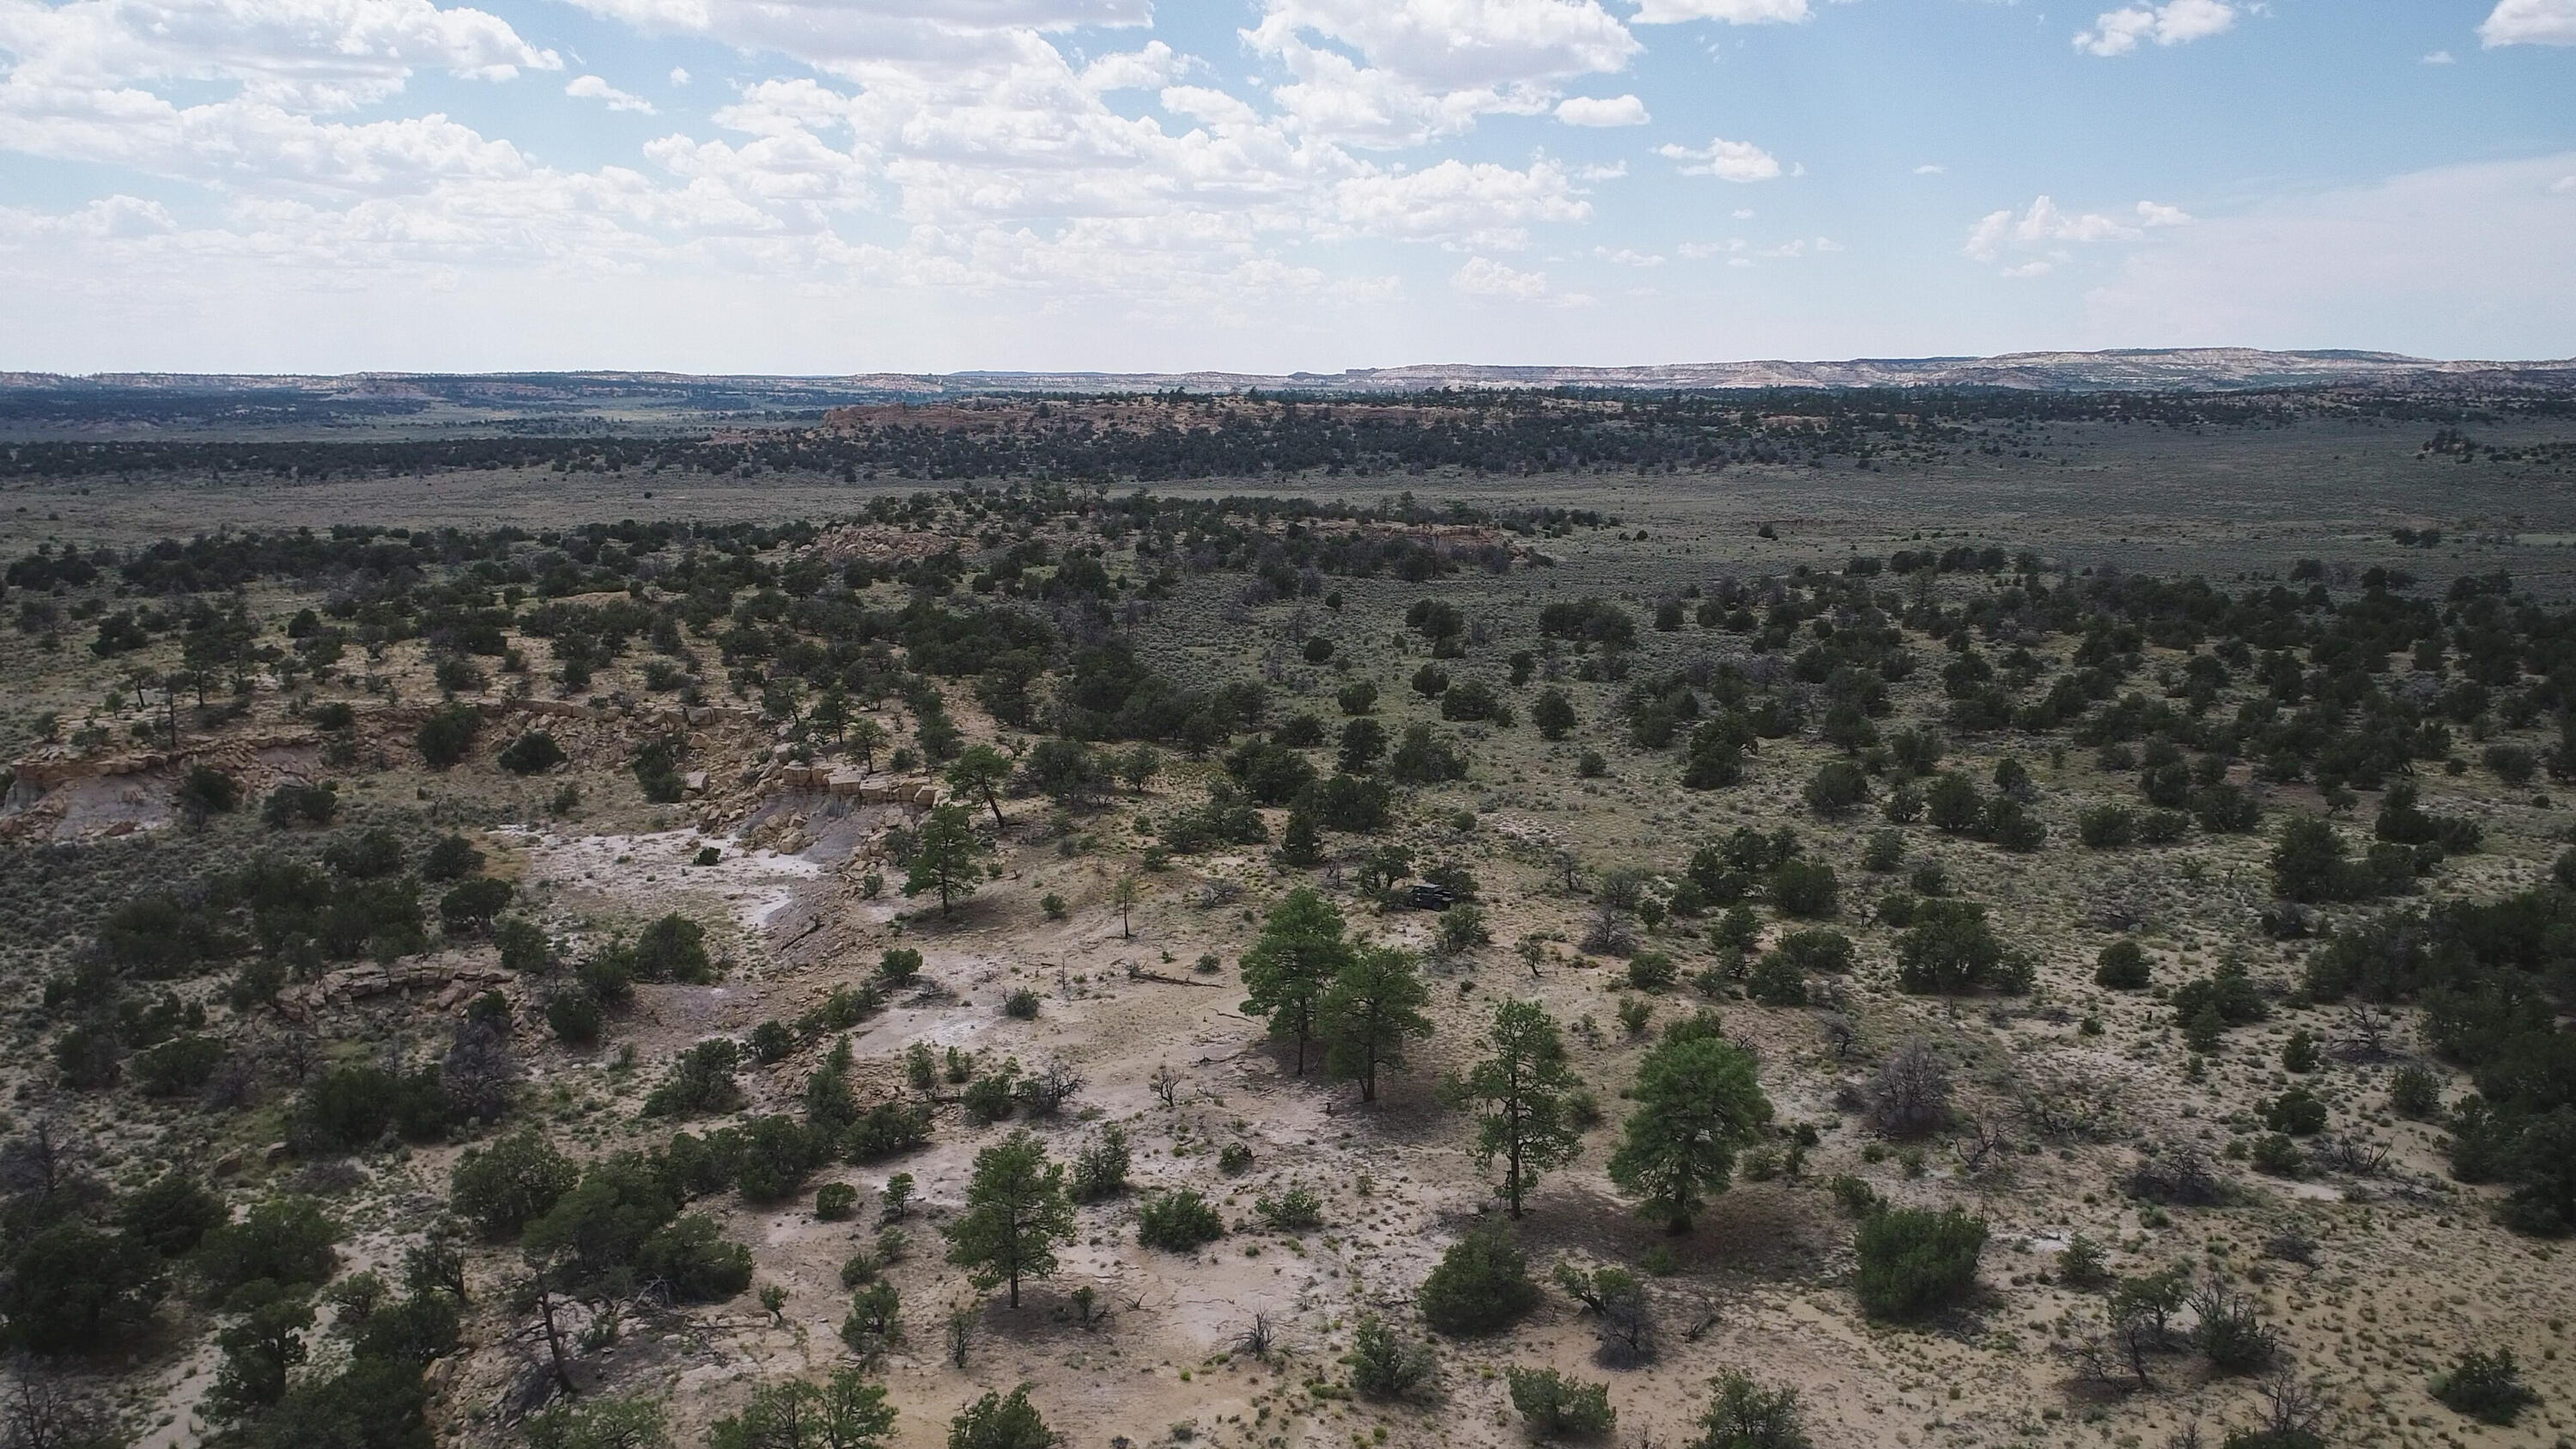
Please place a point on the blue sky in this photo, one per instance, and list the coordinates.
(1265, 185)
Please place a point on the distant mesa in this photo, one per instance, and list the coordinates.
(2140, 369)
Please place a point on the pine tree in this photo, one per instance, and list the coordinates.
(1374, 1004)
(259, 1349)
(1125, 895)
(1016, 1213)
(943, 858)
(1525, 1080)
(866, 737)
(1287, 970)
(831, 714)
(979, 774)
(1697, 1100)
(1301, 846)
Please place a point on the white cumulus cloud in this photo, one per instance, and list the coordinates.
(1214, 107)
(592, 88)
(1733, 12)
(303, 55)
(1481, 204)
(2530, 22)
(1154, 66)
(109, 218)
(998, 162)
(2178, 22)
(1460, 44)
(848, 37)
(1739, 161)
(1482, 277)
(1596, 111)
(1395, 73)
(2046, 227)
(257, 147)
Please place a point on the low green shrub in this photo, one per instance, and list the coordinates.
(1295, 1210)
(1913, 1261)
(2487, 1387)
(1481, 1284)
(2122, 966)
(885, 1130)
(1558, 1407)
(1386, 1365)
(1178, 1221)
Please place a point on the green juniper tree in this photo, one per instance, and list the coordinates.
(260, 1348)
(1001, 1421)
(1744, 1415)
(846, 1412)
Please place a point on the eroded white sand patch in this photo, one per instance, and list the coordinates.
(657, 871)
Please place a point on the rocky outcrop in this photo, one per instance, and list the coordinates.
(848, 783)
(33, 778)
(453, 978)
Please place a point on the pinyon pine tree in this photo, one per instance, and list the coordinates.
(1016, 1213)
(1372, 1008)
(1697, 1101)
(1524, 1083)
(1286, 972)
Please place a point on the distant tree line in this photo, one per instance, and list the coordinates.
(1051, 439)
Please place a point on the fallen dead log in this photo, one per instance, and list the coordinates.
(1139, 973)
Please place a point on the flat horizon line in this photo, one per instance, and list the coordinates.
(2168, 360)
